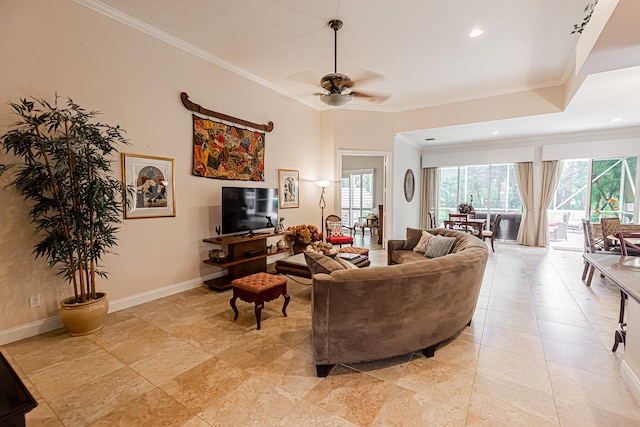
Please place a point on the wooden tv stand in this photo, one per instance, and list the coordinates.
(245, 256)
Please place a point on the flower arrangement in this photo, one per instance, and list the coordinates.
(305, 233)
(466, 208)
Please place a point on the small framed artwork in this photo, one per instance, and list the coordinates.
(150, 185)
(288, 188)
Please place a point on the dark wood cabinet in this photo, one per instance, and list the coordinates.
(245, 256)
(15, 399)
(380, 223)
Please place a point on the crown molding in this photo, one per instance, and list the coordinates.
(156, 33)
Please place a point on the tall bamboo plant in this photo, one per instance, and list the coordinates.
(65, 173)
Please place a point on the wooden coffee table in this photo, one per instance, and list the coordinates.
(297, 266)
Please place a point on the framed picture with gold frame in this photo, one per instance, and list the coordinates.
(289, 188)
(150, 185)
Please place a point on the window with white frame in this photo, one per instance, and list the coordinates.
(356, 195)
(489, 188)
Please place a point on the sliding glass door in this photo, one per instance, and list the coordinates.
(591, 189)
(489, 188)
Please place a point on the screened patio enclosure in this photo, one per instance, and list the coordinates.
(593, 189)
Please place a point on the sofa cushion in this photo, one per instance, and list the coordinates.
(439, 246)
(412, 239)
(423, 242)
(405, 256)
(319, 263)
(340, 239)
(334, 228)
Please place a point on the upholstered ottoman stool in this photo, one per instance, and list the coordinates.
(354, 250)
(259, 288)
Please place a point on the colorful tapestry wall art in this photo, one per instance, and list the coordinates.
(222, 151)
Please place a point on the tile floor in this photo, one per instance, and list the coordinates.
(537, 353)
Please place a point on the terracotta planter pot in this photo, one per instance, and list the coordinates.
(84, 318)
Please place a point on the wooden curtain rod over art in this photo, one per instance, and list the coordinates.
(199, 109)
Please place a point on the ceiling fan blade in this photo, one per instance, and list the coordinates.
(366, 76)
(304, 76)
(377, 98)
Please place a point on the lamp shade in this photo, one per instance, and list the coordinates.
(336, 99)
(323, 183)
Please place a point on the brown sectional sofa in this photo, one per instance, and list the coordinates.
(413, 304)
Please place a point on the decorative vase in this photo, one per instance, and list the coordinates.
(298, 248)
(86, 317)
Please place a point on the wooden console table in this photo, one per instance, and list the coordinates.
(245, 256)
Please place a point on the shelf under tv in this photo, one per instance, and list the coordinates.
(241, 260)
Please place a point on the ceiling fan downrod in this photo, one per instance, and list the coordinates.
(335, 25)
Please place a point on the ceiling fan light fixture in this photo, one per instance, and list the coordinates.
(336, 99)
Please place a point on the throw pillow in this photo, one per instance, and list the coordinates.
(334, 228)
(319, 263)
(424, 241)
(412, 239)
(439, 246)
(346, 264)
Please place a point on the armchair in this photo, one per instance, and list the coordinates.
(335, 234)
(370, 221)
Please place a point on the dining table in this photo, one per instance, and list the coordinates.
(631, 241)
(478, 224)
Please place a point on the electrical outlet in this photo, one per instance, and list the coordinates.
(34, 301)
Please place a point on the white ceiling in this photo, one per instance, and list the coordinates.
(416, 52)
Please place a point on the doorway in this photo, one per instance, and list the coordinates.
(364, 181)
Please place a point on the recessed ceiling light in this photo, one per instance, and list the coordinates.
(476, 32)
(495, 132)
(617, 119)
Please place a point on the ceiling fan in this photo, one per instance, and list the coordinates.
(339, 85)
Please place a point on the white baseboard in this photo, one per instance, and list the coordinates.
(29, 330)
(155, 294)
(630, 379)
(49, 324)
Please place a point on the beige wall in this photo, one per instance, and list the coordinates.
(135, 81)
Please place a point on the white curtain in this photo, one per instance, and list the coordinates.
(428, 201)
(550, 175)
(527, 233)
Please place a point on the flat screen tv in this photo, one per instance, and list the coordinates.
(247, 209)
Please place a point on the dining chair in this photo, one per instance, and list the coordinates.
(432, 219)
(589, 247)
(458, 221)
(610, 227)
(491, 234)
(627, 248)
